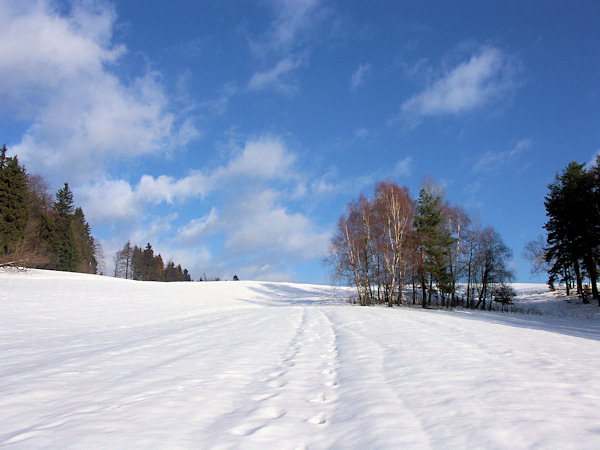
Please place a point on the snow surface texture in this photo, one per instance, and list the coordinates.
(91, 362)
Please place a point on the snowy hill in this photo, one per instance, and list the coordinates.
(90, 361)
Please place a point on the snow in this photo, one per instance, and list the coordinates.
(90, 361)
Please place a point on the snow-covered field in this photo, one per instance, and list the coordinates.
(89, 361)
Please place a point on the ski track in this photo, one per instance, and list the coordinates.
(261, 365)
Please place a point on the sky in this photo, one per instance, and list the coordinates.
(231, 135)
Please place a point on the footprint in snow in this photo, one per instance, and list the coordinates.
(320, 398)
(270, 413)
(246, 429)
(319, 419)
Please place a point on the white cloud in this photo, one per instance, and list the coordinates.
(294, 19)
(403, 167)
(486, 76)
(358, 77)
(491, 161)
(265, 157)
(109, 200)
(55, 70)
(197, 229)
(592, 161)
(277, 77)
(169, 189)
(284, 46)
(260, 224)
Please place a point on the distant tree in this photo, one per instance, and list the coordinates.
(137, 266)
(456, 222)
(123, 261)
(504, 293)
(170, 272)
(144, 265)
(535, 252)
(491, 264)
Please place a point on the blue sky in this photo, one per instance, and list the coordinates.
(232, 134)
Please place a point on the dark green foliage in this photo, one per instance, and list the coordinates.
(433, 242)
(36, 232)
(573, 227)
(13, 204)
(85, 242)
(65, 245)
(64, 202)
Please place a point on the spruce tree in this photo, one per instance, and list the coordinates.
(84, 242)
(433, 242)
(573, 238)
(68, 256)
(13, 203)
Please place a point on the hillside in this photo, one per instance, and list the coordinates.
(90, 361)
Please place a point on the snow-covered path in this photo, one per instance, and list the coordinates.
(89, 361)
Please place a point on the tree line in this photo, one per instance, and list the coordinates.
(396, 250)
(570, 251)
(38, 232)
(135, 263)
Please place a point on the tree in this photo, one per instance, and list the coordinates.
(396, 214)
(64, 201)
(14, 196)
(433, 241)
(85, 243)
(456, 223)
(535, 252)
(123, 262)
(491, 264)
(68, 255)
(573, 227)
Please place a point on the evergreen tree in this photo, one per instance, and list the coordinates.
(64, 201)
(433, 242)
(85, 242)
(137, 266)
(13, 203)
(68, 256)
(573, 237)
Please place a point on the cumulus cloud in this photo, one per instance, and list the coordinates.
(484, 77)
(359, 76)
(56, 70)
(491, 161)
(264, 158)
(261, 224)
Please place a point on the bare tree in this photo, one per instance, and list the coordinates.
(396, 214)
(491, 264)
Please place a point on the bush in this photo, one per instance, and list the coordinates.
(504, 294)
